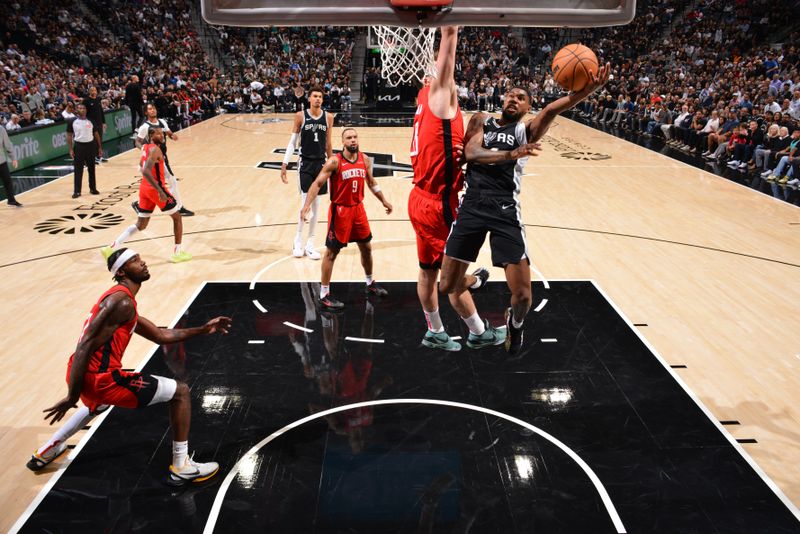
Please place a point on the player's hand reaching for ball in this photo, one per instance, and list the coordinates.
(523, 151)
(598, 80)
(387, 206)
(218, 324)
(59, 410)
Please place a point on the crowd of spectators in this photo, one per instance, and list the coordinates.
(713, 86)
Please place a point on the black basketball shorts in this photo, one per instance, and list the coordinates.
(484, 213)
(309, 170)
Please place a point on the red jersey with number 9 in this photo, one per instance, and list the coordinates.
(347, 183)
(109, 356)
(433, 156)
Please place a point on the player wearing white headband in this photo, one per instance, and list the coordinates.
(95, 375)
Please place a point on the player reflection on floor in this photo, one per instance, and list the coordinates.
(343, 371)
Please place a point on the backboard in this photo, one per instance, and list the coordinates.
(543, 13)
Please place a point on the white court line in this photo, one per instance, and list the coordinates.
(541, 305)
(255, 341)
(89, 433)
(297, 327)
(549, 340)
(220, 497)
(290, 257)
(258, 305)
(363, 339)
(675, 376)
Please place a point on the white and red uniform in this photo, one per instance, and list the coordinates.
(438, 178)
(148, 195)
(347, 219)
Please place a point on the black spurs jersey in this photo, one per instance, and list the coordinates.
(499, 177)
(314, 136)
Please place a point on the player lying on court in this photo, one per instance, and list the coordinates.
(95, 375)
(347, 219)
(153, 192)
(436, 149)
(496, 154)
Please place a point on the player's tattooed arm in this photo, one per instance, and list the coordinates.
(165, 336)
(375, 188)
(539, 125)
(147, 172)
(298, 123)
(475, 152)
(115, 310)
(328, 169)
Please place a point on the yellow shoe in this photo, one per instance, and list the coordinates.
(106, 252)
(783, 180)
(179, 257)
(772, 178)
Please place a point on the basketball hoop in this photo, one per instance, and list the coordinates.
(406, 53)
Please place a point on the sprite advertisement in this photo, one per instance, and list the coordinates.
(49, 142)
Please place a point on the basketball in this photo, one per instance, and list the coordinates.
(574, 66)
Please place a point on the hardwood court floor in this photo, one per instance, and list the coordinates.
(712, 268)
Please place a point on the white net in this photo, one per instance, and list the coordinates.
(406, 53)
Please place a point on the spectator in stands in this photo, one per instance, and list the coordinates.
(13, 124)
(135, 101)
(761, 157)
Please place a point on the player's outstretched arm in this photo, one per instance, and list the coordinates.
(375, 188)
(442, 98)
(475, 152)
(539, 125)
(329, 168)
(165, 336)
(298, 123)
(115, 310)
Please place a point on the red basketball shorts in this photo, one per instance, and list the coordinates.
(148, 200)
(431, 217)
(125, 389)
(347, 224)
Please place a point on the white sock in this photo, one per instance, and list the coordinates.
(298, 236)
(323, 291)
(514, 322)
(180, 451)
(177, 249)
(124, 236)
(78, 420)
(312, 224)
(475, 324)
(434, 321)
(369, 279)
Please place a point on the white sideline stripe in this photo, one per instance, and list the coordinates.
(256, 342)
(675, 376)
(290, 257)
(541, 305)
(85, 439)
(258, 305)
(539, 274)
(549, 340)
(363, 339)
(215, 508)
(297, 327)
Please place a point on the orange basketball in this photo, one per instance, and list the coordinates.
(574, 66)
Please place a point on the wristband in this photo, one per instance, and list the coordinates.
(376, 188)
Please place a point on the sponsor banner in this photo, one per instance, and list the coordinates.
(49, 142)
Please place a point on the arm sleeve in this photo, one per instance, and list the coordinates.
(69, 126)
(290, 149)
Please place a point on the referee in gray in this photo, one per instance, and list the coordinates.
(85, 145)
(6, 156)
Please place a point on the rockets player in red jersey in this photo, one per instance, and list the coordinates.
(348, 172)
(95, 375)
(153, 192)
(436, 149)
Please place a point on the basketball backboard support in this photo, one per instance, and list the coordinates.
(541, 13)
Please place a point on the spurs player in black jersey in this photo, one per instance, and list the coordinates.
(312, 127)
(496, 151)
